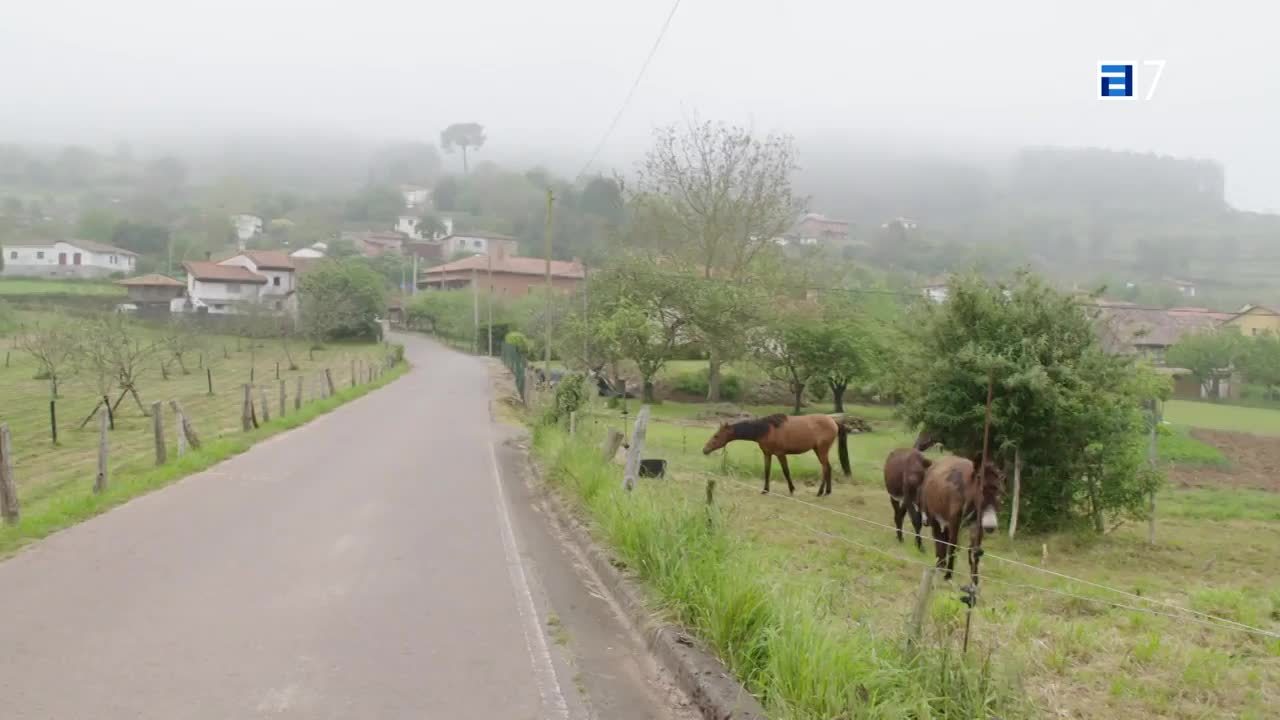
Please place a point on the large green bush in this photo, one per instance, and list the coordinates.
(694, 382)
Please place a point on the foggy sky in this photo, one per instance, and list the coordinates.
(549, 75)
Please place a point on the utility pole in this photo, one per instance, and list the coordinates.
(475, 314)
(546, 249)
(586, 314)
(490, 301)
(413, 289)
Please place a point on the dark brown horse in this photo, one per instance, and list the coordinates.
(954, 492)
(783, 435)
(904, 471)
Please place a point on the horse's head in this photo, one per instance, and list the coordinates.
(925, 440)
(986, 486)
(722, 437)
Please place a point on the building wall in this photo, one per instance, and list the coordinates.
(43, 261)
(153, 294)
(514, 285)
(459, 243)
(1256, 322)
(279, 282)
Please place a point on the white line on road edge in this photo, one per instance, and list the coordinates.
(539, 653)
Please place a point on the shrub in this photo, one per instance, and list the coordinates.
(695, 383)
(518, 341)
(571, 396)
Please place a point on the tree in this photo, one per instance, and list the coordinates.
(711, 198)
(1071, 412)
(96, 224)
(117, 349)
(180, 338)
(463, 136)
(1209, 355)
(430, 226)
(787, 345)
(375, 202)
(849, 344)
(341, 299)
(445, 195)
(54, 345)
(142, 238)
(639, 315)
(1260, 361)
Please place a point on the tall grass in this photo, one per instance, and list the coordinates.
(776, 637)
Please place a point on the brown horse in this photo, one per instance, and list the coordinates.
(783, 435)
(954, 492)
(904, 471)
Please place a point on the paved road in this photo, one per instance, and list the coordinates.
(363, 566)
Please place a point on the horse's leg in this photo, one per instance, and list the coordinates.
(975, 552)
(916, 523)
(768, 463)
(953, 537)
(899, 509)
(786, 473)
(939, 547)
(824, 488)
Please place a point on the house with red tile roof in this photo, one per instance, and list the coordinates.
(502, 274)
(268, 277)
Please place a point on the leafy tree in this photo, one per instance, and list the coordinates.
(142, 238)
(445, 194)
(711, 198)
(850, 344)
(1209, 355)
(462, 136)
(375, 202)
(602, 197)
(430, 226)
(117, 349)
(639, 315)
(96, 224)
(1070, 411)
(1260, 361)
(787, 345)
(341, 299)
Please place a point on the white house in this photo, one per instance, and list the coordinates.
(247, 226)
(414, 196)
(266, 276)
(66, 258)
(407, 223)
(478, 242)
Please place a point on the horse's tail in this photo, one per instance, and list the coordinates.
(844, 451)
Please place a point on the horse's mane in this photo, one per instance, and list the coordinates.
(755, 428)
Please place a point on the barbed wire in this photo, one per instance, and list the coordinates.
(1220, 621)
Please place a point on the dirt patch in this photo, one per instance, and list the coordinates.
(1255, 462)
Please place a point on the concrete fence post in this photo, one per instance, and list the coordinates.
(282, 398)
(157, 429)
(266, 405)
(187, 430)
(631, 470)
(9, 509)
(100, 482)
(246, 408)
(297, 394)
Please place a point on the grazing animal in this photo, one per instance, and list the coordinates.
(783, 435)
(953, 492)
(925, 440)
(904, 471)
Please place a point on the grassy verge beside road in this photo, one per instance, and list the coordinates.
(807, 603)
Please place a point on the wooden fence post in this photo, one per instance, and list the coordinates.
(612, 442)
(328, 378)
(157, 428)
(246, 409)
(922, 603)
(188, 430)
(208, 374)
(100, 482)
(353, 372)
(632, 469)
(8, 486)
(282, 398)
(297, 394)
(266, 406)
(277, 369)
(53, 420)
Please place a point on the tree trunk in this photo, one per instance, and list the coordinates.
(1094, 507)
(798, 390)
(837, 394)
(648, 390)
(713, 377)
(1017, 492)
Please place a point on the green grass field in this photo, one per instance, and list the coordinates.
(807, 599)
(49, 475)
(24, 286)
(1214, 416)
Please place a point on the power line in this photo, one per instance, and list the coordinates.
(630, 93)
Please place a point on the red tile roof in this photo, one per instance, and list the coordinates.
(152, 280)
(510, 264)
(213, 272)
(270, 259)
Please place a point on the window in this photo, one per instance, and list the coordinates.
(114, 260)
(233, 288)
(276, 281)
(13, 254)
(39, 254)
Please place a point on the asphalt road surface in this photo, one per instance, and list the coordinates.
(384, 561)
